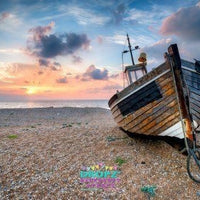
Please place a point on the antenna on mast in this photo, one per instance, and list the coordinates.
(130, 49)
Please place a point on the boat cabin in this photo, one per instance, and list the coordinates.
(134, 72)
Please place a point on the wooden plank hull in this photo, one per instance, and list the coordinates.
(149, 106)
(192, 80)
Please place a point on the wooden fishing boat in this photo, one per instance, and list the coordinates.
(163, 102)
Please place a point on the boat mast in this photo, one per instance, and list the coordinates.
(130, 49)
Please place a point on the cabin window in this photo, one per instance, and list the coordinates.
(133, 73)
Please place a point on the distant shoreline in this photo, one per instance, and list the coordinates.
(55, 104)
(52, 107)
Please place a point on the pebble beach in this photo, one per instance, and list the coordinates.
(44, 150)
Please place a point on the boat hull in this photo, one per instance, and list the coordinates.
(150, 105)
(192, 81)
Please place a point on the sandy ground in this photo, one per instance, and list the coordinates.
(53, 144)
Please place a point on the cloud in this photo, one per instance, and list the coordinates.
(40, 72)
(118, 14)
(156, 51)
(9, 22)
(85, 16)
(117, 39)
(99, 39)
(4, 16)
(39, 31)
(43, 62)
(12, 51)
(43, 44)
(114, 75)
(152, 16)
(158, 48)
(54, 66)
(112, 87)
(76, 59)
(62, 80)
(96, 74)
(184, 23)
(121, 39)
(187, 50)
(57, 64)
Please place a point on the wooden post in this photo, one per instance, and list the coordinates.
(182, 91)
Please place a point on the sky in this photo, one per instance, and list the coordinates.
(60, 49)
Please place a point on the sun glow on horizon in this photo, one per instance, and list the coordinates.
(31, 90)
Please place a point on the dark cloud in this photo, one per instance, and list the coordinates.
(62, 80)
(97, 74)
(43, 44)
(44, 62)
(76, 59)
(55, 66)
(38, 33)
(185, 23)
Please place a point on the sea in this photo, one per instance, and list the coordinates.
(54, 103)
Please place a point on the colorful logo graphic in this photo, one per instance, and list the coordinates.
(99, 176)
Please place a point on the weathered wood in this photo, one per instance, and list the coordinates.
(193, 84)
(112, 100)
(196, 103)
(166, 77)
(143, 80)
(168, 123)
(169, 93)
(140, 99)
(150, 116)
(195, 110)
(192, 89)
(163, 83)
(157, 127)
(154, 120)
(192, 79)
(180, 85)
(194, 117)
(143, 113)
(187, 64)
(195, 96)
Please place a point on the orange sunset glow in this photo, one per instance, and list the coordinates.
(75, 53)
